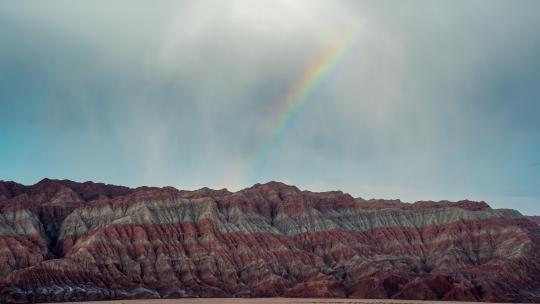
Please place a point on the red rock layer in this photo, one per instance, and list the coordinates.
(61, 240)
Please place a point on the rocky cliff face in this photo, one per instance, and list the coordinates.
(61, 240)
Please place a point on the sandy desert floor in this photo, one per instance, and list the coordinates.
(267, 301)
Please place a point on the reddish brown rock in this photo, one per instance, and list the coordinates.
(62, 240)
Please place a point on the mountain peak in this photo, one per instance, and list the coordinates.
(274, 185)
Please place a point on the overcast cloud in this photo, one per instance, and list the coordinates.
(434, 100)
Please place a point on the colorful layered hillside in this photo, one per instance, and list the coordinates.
(61, 240)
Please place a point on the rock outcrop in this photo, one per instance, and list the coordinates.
(62, 240)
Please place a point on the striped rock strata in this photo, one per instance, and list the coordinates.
(61, 240)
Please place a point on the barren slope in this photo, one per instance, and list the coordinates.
(61, 240)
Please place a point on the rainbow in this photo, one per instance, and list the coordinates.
(320, 69)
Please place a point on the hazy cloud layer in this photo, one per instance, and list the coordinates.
(435, 100)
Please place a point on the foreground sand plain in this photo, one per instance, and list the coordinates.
(269, 301)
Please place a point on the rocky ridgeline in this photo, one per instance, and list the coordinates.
(68, 241)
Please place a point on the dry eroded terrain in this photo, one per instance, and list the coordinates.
(68, 241)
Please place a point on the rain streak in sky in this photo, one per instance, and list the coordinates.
(381, 99)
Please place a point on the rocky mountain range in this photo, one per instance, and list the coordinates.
(62, 240)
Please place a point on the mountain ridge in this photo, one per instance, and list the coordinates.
(100, 241)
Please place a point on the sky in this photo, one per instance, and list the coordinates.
(416, 100)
